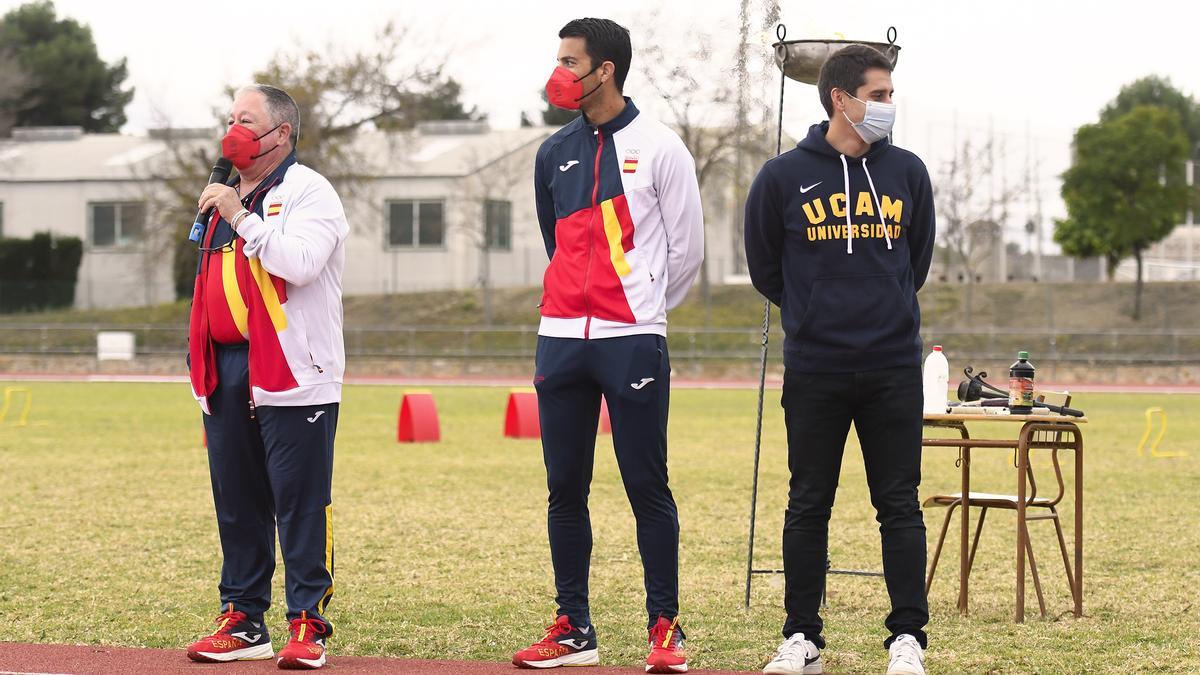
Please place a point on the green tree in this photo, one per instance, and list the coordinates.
(440, 99)
(1159, 92)
(38, 273)
(13, 85)
(340, 95)
(1125, 189)
(68, 83)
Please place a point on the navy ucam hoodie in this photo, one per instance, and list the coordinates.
(842, 244)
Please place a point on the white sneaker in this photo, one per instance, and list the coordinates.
(796, 656)
(905, 656)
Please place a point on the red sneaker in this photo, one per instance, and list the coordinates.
(564, 645)
(236, 639)
(306, 649)
(666, 648)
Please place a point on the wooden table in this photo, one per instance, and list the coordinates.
(1035, 431)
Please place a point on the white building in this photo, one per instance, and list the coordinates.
(61, 181)
(419, 222)
(445, 206)
(1176, 258)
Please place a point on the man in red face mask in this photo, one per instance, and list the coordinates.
(266, 359)
(620, 214)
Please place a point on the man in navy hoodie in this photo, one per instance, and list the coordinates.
(839, 234)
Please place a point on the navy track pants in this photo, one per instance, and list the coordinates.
(634, 375)
(274, 471)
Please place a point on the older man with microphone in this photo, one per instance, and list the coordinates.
(266, 359)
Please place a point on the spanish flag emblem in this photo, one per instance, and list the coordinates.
(274, 209)
(630, 164)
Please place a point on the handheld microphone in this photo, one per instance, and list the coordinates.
(220, 173)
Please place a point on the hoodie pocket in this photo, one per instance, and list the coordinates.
(852, 314)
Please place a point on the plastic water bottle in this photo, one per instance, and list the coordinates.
(936, 378)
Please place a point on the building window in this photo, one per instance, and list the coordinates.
(415, 224)
(497, 219)
(117, 224)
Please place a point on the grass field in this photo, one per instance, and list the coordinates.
(107, 536)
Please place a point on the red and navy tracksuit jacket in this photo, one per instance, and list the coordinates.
(620, 213)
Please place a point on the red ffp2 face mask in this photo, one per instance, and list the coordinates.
(241, 146)
(564, 90)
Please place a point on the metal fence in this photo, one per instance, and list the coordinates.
(982, 345)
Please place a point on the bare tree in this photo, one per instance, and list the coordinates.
(169, 186)
(377, 87)
(970, 212)
(700, 87)
(340, 94)
(494, 176)
(751, 73)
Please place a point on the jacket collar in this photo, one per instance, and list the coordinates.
(273, 178)
(221, 230)
(619, 122)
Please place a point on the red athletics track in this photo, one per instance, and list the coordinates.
(34, 659)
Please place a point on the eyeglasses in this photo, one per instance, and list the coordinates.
(227, 247)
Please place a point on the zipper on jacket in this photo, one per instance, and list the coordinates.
(591, 244)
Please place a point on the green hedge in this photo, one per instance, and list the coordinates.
(38, 273)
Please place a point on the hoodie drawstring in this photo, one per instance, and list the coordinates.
(846, 181)
(875, 195)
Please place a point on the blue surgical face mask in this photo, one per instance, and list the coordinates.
(877, 121)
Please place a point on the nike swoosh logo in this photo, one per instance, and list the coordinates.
(645, 381)
(573, 643)
(314, 417)
(806, 189)
(568, 165)
(246, 637)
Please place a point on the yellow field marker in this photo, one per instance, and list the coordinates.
(1150, 413)
(9, 395)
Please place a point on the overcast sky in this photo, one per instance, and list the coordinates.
(1018, 69)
